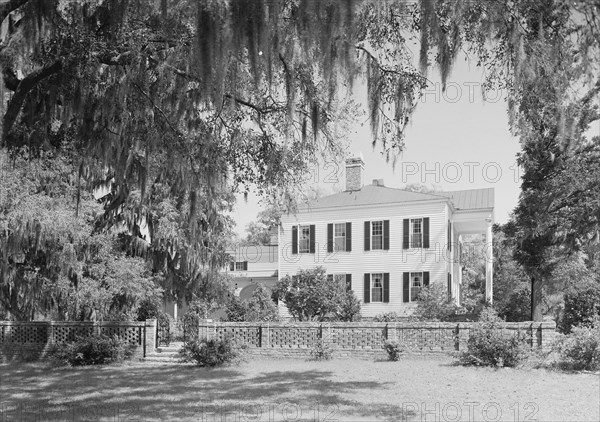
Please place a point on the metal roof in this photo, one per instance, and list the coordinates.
(372, 195)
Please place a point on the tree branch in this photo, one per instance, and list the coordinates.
(25, 85)
(7, 7)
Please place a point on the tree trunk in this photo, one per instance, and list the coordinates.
(536, 298)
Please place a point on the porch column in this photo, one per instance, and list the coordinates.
(489, 261)
(460, 269)
(175, 311)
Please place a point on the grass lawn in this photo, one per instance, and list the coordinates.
(416, 388)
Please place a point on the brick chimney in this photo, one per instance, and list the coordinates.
(355, 168)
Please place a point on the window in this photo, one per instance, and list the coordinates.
(304, 239)
(377, 235)
(339, 237)
(241, 265)
(416, 284)
(377, 287)
(416, 233)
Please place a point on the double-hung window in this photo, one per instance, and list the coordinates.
(304, 239)
(377, 287)
(416, 285)
(339, 236)
(376, 235)
(416, 233)
(241, 265)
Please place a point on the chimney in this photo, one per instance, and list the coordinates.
(378, 182)
(355, 167)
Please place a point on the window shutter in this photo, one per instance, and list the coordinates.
(426, 278)
(348, 282)
(348, 237)
(405, 233)
(329, 237)
(449, 286)
(386, 287)
(367, 289)
(312, 238)
(449, 235)
(294, 239)
(231, 266)
(405, 287)
(245, 265)
(367, 235)
(386, 234)
(426, 233)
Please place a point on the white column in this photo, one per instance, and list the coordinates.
(175, 311)
(460, 268)
(489, 261)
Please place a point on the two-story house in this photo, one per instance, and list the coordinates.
(387, 243)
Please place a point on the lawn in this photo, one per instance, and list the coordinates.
(416, 388)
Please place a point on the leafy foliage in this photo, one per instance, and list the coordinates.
(581, 348)
(433, 304)
(488, 345)
(312, 296)
(388, 317)
(92, 350)
(321, 350)
(582, 305)
(394, 349)
(260, 307)
(209, 353)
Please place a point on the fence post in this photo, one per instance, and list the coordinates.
(320, 332)
(386, 332)
(144, 340)
(457, 337)
(260, 334)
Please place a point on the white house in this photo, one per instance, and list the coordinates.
(387, 243)
(251, 265)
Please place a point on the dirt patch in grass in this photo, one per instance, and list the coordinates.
(297, 390)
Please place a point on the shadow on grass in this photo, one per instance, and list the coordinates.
(183, 392)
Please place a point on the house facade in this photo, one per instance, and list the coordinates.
(386, 243)
(251, 265)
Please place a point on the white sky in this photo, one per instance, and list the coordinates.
(455, 141)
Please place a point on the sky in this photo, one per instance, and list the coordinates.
(455, 141)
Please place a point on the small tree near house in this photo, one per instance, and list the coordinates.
(311, 296)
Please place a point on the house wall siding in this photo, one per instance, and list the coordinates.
(394, 261)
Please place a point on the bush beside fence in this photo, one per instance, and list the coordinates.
(33, 340)
(362, 338)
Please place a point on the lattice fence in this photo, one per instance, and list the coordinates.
(364, 336)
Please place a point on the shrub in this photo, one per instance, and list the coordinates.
(433, 304)
(93, 350)
(580, 350)
(582, 303)
(387, 317)
(321, 350)
(349, 308)
(518, 306)
(394, 349)
(209, 353)
(488, 345)
(149, 308)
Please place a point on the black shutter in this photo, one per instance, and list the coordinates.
(245, 265)
(386, 287)
(449, 286)
(386, 234)
(348, 237)
(330, 237)
(348, 282)
(449, 235)
(367, 289)
(426, 233)
(367, 235)
(426, 278)
(405, 233)
(294, 239)
(231, 266)
(312, 238)
(405, 287)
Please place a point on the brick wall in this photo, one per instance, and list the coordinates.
(33, 340)
(363, 338)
